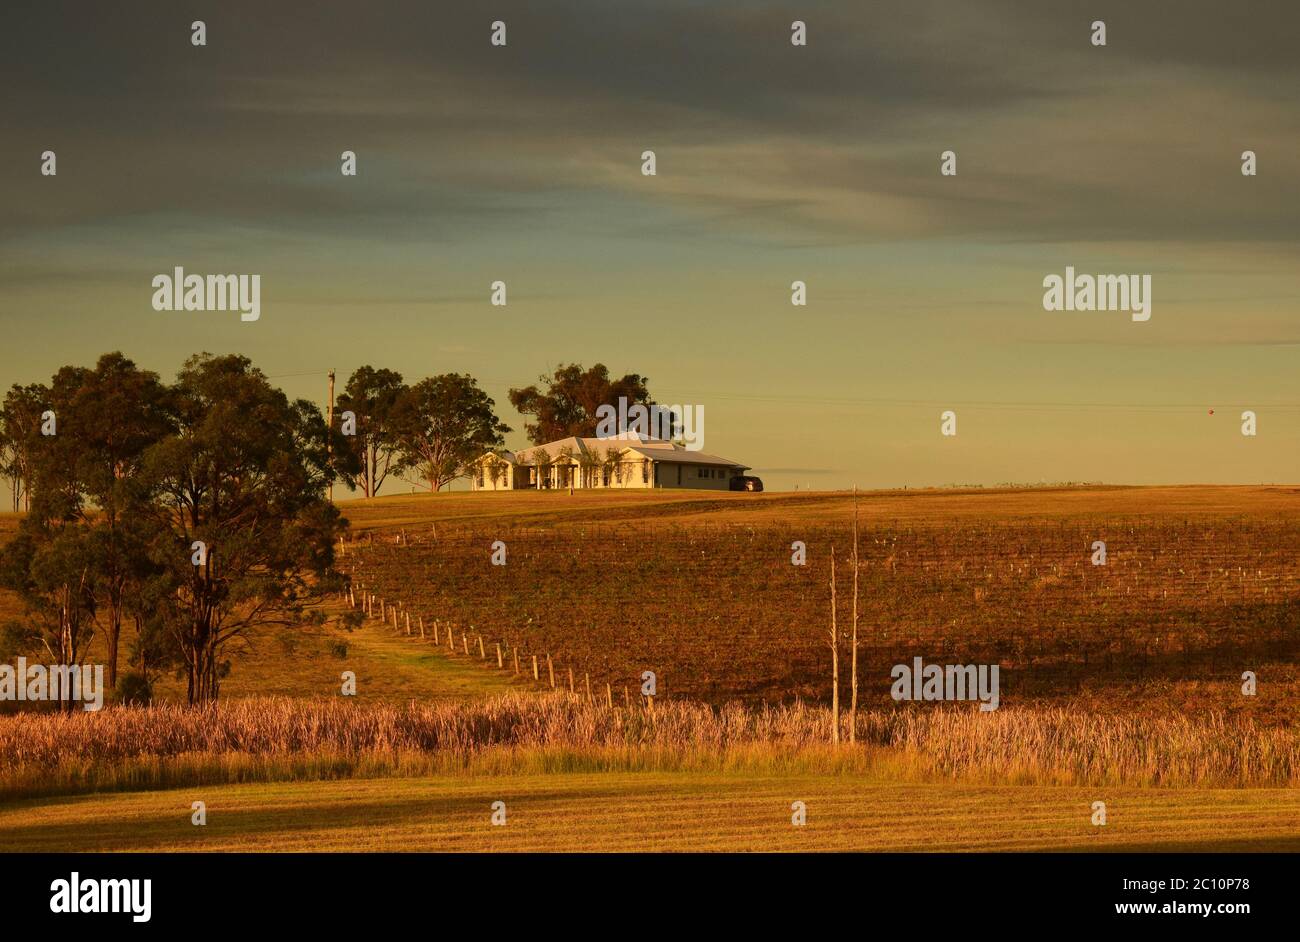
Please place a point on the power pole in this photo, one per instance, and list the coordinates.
(329, 438)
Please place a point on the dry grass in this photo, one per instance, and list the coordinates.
(267, 740)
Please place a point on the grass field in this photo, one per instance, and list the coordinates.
(1132, 667)
(303, 662)
(654, 812)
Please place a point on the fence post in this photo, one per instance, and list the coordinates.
(571, 690)
(609, 696)
(464, 641)
(421, 627)
(499, 664)
(586, 679)
(550, 670)
(407, 616)
(516, 654)
(535, 677)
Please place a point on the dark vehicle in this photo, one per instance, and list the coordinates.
(746, 482)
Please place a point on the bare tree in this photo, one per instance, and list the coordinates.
(853, 701)
(835, 661)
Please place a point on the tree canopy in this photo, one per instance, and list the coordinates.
(566, 403)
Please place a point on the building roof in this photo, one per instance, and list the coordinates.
(676, 454)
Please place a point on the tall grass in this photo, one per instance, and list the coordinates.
(270, 739)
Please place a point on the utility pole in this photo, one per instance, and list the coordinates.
(329, 438)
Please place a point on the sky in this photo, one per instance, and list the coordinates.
(775, 163)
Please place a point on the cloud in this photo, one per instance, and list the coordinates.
(839, 141)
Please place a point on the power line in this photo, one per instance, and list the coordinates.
(951, 402)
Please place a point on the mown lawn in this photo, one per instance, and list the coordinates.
(654, 812)
(304, 662)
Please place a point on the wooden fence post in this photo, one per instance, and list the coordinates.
(516, 654)
(464, 641)
(550, 670)
(586, 679)
(421, 627)
(535, 677)
(481, 655)
(571, 680)
(407, 616)
(499, 664)
(609, 696)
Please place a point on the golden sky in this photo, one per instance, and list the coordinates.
(774, 163)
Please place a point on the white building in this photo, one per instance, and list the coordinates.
(627, 462)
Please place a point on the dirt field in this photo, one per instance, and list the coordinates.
(1201, 584)
(1198, 586)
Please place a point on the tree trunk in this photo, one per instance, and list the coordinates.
(853, 701)
(114, 633)
(835, 662)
